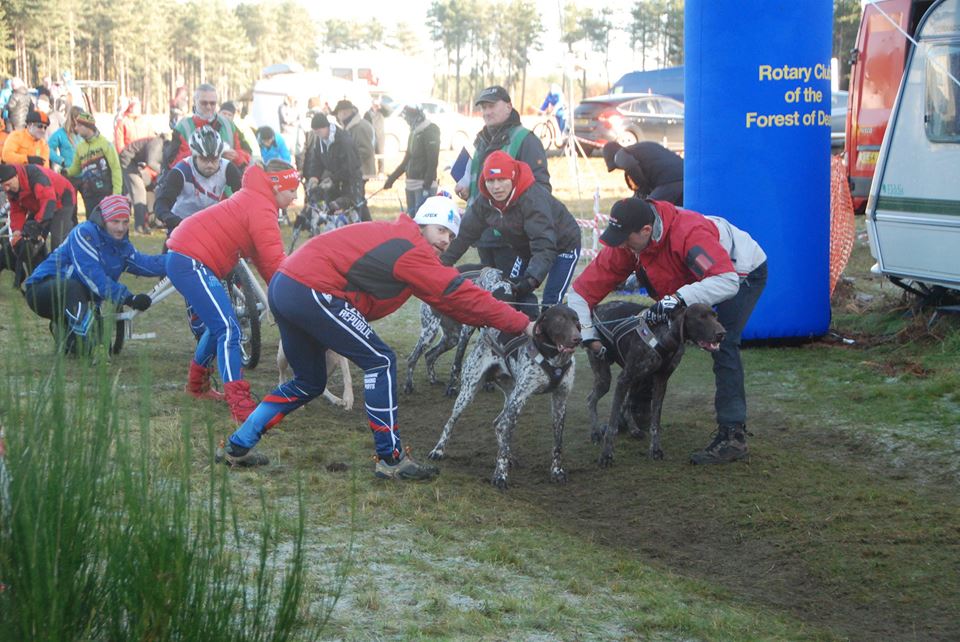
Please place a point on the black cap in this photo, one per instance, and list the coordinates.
(627, 216)
(319, 121)
(7, 172)
(343, 104)
(492, 95)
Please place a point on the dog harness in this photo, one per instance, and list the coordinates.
(613, 332)
(507, 345)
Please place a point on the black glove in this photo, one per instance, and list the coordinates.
(138, 302)
(523, 286)
(32, 230)
(390, 181)
(36, 160)
(662, 310)
(172, 222)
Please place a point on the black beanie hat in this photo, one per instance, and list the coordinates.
(7, 172)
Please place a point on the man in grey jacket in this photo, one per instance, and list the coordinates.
(362, 133)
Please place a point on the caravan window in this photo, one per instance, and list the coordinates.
(943, 94)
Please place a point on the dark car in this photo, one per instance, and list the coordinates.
(838, 119)
(627, 119)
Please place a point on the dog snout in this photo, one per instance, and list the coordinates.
(718, 338)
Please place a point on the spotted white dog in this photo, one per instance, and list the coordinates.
(451, 332)
(522, 367)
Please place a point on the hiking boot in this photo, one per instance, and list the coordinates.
(232, 455)
(198, 383)
(406, 469)
(729, 444)
(239, 399)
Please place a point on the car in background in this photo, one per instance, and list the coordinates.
(456, 130)
(628, 119)
(838, 119)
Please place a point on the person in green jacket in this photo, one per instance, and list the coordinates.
(96, 167)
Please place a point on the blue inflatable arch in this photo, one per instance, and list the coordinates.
(757, 144)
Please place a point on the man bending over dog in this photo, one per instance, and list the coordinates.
(532, 221)
(324, 295)
(683, 257)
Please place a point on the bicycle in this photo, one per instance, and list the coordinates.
(548, 131)
(248, 299)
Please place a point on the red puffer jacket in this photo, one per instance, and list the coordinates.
(41, 192)
(377, 266)
(689, 250)
(243, 225)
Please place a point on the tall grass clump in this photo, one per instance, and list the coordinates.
(100, 542)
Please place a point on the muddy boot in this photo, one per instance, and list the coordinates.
(198, 383)
(728, 445)
(232, 455)
(403, 467)
(239, 399)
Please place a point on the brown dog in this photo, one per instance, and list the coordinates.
(648, 356)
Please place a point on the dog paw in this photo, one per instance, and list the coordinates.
(656, 454)
(451, 391)
(605, 460)
(597, 435)
(408, 388)
(558, 476)
(436, 453)
(638, 433)
(499, 481)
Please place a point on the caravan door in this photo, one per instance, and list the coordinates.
(913, 211)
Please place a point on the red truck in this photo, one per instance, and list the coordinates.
(877, 68)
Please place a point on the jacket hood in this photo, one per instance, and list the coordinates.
(523, 179)
(666, 214)
(256, 179)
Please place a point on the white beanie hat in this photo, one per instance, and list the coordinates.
(439, 210)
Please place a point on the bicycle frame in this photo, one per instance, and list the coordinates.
(164, 288)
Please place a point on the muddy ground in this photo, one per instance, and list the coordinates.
(752, 529)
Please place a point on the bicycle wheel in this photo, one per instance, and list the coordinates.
(244, 302)
(119, 336)
(544, 132)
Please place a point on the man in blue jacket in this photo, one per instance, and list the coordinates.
(72, 283)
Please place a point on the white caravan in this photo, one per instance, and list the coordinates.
(913, 211)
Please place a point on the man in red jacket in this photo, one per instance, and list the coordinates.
(325, 295)
(204, 248)
(41, 202)
(682, 257)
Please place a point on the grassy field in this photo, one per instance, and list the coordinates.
(844, 525)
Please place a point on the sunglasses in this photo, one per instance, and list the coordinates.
(207, 103)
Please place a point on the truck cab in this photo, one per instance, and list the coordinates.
(877, 66)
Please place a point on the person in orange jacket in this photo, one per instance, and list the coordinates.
(28, 145)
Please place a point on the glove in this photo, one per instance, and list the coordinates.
(664, 309)
(36, 160)
(172, 222)
(523, 286)
(32, 230)
(390, 181)
(138, 302)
